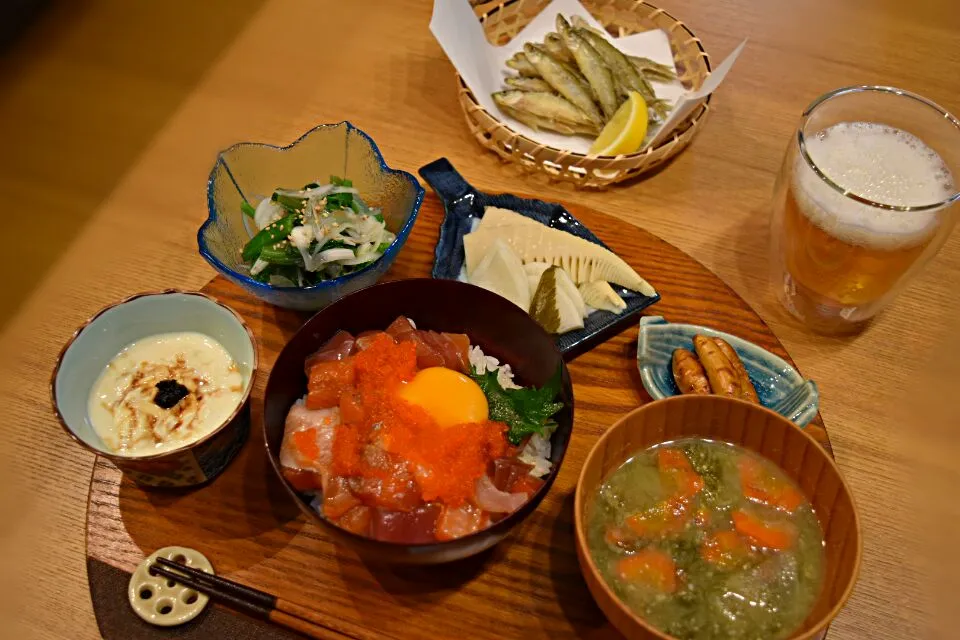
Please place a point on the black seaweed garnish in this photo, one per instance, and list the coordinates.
(169, 393)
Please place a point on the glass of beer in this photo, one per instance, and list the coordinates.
(864, 199)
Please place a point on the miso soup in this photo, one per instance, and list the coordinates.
(705, 539)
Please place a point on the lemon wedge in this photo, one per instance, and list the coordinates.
(625, 131)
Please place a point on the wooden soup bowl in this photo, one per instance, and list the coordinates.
(751, 427)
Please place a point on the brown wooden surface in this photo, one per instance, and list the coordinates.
(113, 112)
(531, 584)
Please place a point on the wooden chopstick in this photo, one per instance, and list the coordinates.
(228, 586)
(252, 601)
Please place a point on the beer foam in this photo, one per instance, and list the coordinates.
(878, 163)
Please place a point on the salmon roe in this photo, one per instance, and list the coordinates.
(446, 461)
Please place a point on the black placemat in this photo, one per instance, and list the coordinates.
(117, 621)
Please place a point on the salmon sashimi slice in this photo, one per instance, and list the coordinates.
(390, 484)
(456, 522)
(327, 381)
(302, 479)
(527, 485)
(339, 347)
(338, 499)
(306, 453)
(351, 408)
(357, 520)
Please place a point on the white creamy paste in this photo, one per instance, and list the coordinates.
(122, 407)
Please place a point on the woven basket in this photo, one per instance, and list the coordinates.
(503, 20)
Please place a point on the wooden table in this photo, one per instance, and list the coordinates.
(297, 63)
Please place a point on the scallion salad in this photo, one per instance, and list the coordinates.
(313, 234)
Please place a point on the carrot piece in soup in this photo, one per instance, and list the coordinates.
(619, 537)
(671, 459)
(725, 549)
(773, 535)
(759, 486)
(677, 474)
(670, 517)
(702, 517)
(651, 567)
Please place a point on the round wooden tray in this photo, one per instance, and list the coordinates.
(528, 586)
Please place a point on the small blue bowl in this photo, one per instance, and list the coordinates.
(779, 386)
(252, 170)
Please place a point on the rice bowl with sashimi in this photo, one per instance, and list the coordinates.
(412, 436)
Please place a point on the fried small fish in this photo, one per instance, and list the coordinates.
(592, 67)
(521, 83)
(554, 44)
(547, 106)
(522, 65)
(580, 23)
(624, 73)
(542, 124)
(652, 69)
(562, 80)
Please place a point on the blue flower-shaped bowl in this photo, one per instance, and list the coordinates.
(779, 386)
(251, 171)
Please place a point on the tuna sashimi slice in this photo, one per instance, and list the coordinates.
(409, 527)
(339, 347)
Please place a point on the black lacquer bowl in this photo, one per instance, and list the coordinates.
(498, 326)
(464, 204)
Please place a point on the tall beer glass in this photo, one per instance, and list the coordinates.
(863, 200)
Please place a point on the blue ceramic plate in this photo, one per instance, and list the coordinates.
(464, 204)
(779, 386)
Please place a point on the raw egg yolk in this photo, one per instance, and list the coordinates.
(447, 396)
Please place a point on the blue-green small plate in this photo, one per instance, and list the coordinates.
(779, 386)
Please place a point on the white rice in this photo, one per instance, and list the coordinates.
(537, 450)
